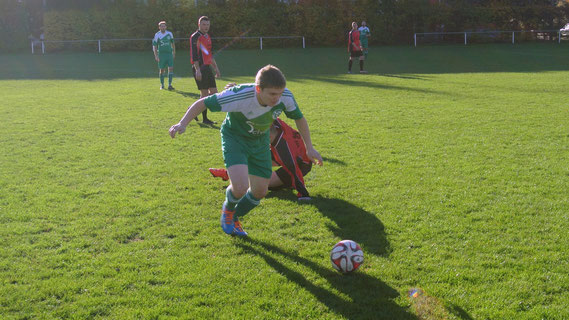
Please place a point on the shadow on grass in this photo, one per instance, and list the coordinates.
(369, 297)
(335, 161)
(186, 94)
(351, 82)
(350, 221)
(387, 61)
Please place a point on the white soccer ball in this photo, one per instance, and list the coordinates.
(346, 256)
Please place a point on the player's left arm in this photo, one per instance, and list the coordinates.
(214, 64)
(173, 48)
(313, 155)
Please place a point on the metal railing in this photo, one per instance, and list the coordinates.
(98, 41)
(466, 33)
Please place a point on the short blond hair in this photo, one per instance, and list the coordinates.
(270, 77)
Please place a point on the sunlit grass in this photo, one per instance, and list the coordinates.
(448, 165)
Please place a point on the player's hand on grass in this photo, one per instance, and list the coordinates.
(229, 85)
(314, 156)
(176, 128)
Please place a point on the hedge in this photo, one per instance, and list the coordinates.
(321, 22)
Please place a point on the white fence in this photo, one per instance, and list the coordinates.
(559, 33)
(99, 42)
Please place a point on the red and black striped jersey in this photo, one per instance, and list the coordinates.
(288, 151)
(354, 39)
(201, 48)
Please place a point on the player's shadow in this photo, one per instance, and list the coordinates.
(211, 126)
(369, 297)
(370, 84)
(399, 76)
(459, 312)
(350, 222)
(186, 94)
(333, 160)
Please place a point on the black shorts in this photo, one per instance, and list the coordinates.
(208, 77)
(355, 54)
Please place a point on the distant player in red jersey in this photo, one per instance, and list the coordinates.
(201, 53)
(355, 48)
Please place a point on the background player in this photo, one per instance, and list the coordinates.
(355, 48)
(164, 53)
(201, 53)
(251, 109)
(364, 36)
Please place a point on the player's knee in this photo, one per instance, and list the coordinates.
(239, 190)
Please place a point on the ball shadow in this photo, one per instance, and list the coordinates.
(369, 297)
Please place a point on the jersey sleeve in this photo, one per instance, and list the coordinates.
(212, 102)
(230, 100)
(194, 47)
(155, 41)
(171, 37)
(292, 110)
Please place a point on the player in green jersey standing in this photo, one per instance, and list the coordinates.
(251, 109)
(364, 35)
(164, 53)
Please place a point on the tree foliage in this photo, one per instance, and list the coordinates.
(321, 22)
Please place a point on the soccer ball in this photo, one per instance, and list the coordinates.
(346, 256)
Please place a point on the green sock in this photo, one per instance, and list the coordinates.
(246, 204)
(170, 76)
(162, 79)
(230, 200)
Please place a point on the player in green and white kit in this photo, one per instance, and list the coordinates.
(164, 53)
(251, 109)
(364, 35)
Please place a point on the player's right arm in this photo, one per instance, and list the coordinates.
(155, 48)
(155, 54)
(195, 55)
(198, 72)
(193, 111)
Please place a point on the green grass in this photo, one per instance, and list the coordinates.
(449, 165)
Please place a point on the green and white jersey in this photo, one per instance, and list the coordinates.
(246, 117)
(364, 33)
(163, 41)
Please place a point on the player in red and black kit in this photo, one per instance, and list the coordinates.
(355, 48)
(201, 53)
(289, 152)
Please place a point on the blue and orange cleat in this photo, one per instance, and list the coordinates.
(238, 229)
(227, 223)
(219, 173)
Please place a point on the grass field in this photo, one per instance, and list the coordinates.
(449, 165)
